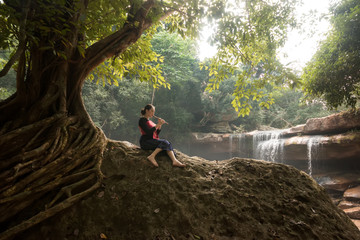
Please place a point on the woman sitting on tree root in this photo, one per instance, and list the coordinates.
(149, 139)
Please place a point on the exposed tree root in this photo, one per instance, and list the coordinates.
(41, 216)
(55, 161)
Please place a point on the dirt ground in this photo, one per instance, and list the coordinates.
(231, 199)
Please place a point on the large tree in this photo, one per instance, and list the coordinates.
(51, 151)
(334, 72)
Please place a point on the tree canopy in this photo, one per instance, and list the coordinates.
(333, 74)
(246, 33)
(55, 45)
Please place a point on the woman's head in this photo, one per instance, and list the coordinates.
(148, 109)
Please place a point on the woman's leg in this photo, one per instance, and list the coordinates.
(175, 162)
(151, 157)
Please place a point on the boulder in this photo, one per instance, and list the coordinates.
(352, 194)
(356, 222)
(339, 182)
(232, 199)
(297, 130)
(199, 137)
(335, 123)
(333, 147)
(353, 213)
(347, 204)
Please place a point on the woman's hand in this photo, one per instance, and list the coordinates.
(161, 121)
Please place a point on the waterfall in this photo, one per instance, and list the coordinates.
(267, 145)
(231, 145)
(241, 145)
(312, 151)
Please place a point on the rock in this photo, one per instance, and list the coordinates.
(342, 146)
(293, 144)
(209, 137)
(353, 213)
(339, 182)
(347, 204)
(356, 222)
(232, 199)
(352, 194)
(339, 147)
(335, 147)
(297, 130)
(335, 123)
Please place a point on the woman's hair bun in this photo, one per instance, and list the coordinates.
(147, 107)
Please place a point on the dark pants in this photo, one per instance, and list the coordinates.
(152, 144)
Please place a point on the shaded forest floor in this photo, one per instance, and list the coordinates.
(230, 199)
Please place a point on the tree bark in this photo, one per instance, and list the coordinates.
(51, 151)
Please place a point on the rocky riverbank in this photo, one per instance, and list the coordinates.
(327, 148)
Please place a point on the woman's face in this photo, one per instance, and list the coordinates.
(151, 112)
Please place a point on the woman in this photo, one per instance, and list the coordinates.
(149, 139)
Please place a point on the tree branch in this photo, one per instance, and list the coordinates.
(120, 40)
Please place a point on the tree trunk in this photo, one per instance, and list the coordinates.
(51, 151)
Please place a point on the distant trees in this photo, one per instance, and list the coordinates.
(187, 105)
(117, 109)
(180, 105)
(290, 109)
(334, 72)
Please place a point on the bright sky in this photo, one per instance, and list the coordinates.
(299, 47)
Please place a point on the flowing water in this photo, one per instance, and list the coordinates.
(231, 145)
(313, 146)
(268, 145)
(240, 149)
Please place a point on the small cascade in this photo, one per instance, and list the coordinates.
(240, 141)
(312, 151)
(270, 146)
(267, 145)
(242, 145)
(231, 145)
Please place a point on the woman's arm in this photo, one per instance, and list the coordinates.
(149, 127)
(145, 126)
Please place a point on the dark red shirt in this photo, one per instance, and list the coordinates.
(148, 129)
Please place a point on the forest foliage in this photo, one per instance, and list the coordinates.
(333, 74)
(187, 104)
(50, 48)
(248, 36)
(250, 80)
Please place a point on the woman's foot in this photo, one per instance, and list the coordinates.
(153, 161)
(176, 163)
